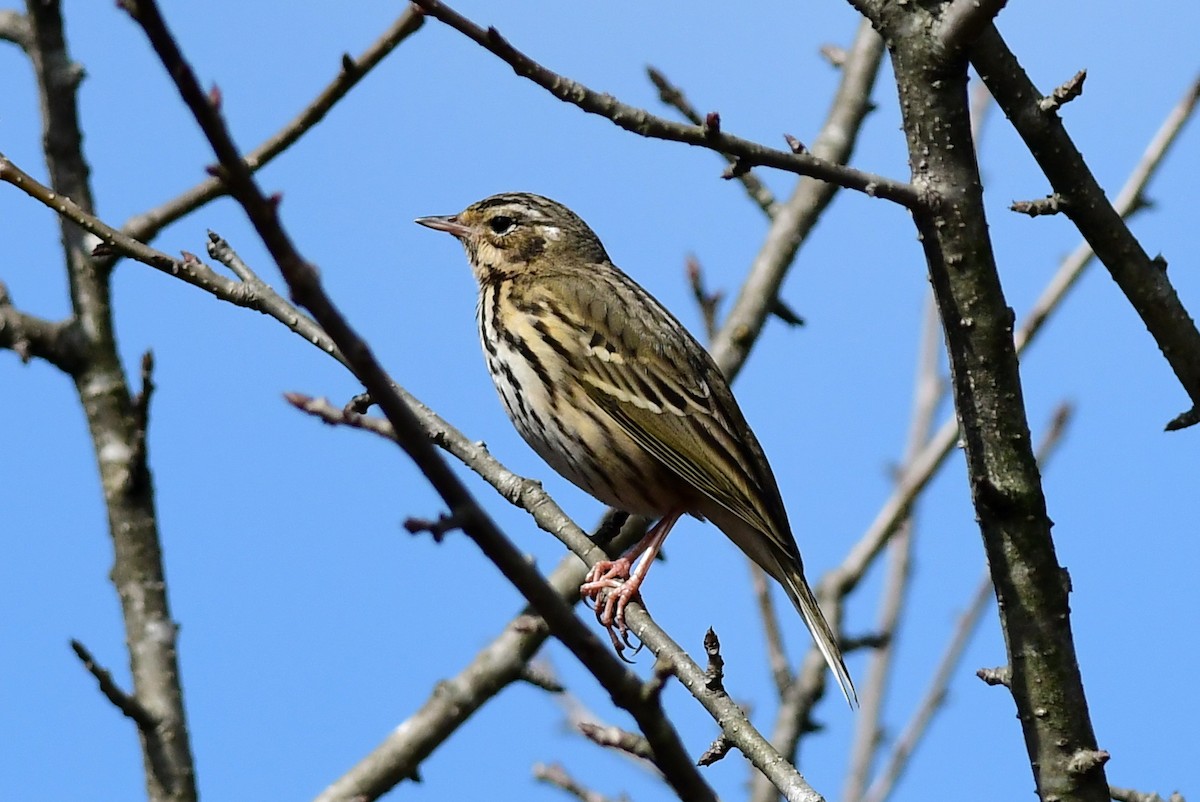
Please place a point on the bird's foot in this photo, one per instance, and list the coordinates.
(608, 589)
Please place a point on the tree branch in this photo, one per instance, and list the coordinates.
(794, 220)
(103, 391)
(964, 20)
(1141, 278)
(32, 337)
(146, 225)
(643, 123)
(935, 697)
(928, 392)
(14, 27)
(1005, 483)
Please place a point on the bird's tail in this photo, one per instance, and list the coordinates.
(806, 603)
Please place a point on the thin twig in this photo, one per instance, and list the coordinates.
(146, 225)
(1130, 795)
(641, 122)
(557, 776)
(673, 96)
(123, 701)
(928, 393)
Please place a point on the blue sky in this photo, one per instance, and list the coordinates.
(312, 623)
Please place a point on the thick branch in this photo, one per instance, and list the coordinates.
(112, 421)
(1005, 483)
(1141, 278)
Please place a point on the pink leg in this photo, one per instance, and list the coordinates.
(617, 584)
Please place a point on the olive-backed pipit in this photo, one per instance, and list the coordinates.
(614, 393)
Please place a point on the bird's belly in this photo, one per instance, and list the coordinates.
(578, 439)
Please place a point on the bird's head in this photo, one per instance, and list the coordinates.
(519, 232)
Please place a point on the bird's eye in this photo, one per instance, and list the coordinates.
(502, 224)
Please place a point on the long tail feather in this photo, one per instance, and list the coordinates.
(806, 603)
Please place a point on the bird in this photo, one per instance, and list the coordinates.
(615, 394)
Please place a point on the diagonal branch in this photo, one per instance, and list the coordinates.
(1141, 278)
(795, 219)
(146, 226)
(643, 123)
(964, 20)
(673, 96)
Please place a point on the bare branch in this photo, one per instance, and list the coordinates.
(103, 391)
(643, 123)
(781, 671)
(922, 469)
(146, 226)
(616, 738)
(928, 393)
(673, 96)
(1130, 795)
(1143, 282)
(31, 337)
(1064, 93)
(707, 301)
(557, 776)
(794, 219)
(963, 20)
(935, 697)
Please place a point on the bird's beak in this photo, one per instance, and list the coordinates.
(448, 223)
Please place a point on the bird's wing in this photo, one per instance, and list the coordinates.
(639, 364)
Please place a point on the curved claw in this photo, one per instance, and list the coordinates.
(609, 596)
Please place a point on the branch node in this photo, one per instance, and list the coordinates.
(796, 145)
(360, 403)
(737, 169)
(438, 528)
(1002, 675)
(1051, 204)
(717, 750)
(123, 701)
(714, 674)
(1087, 760)
(215, 98)
(712, 125)
(1064, 93)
